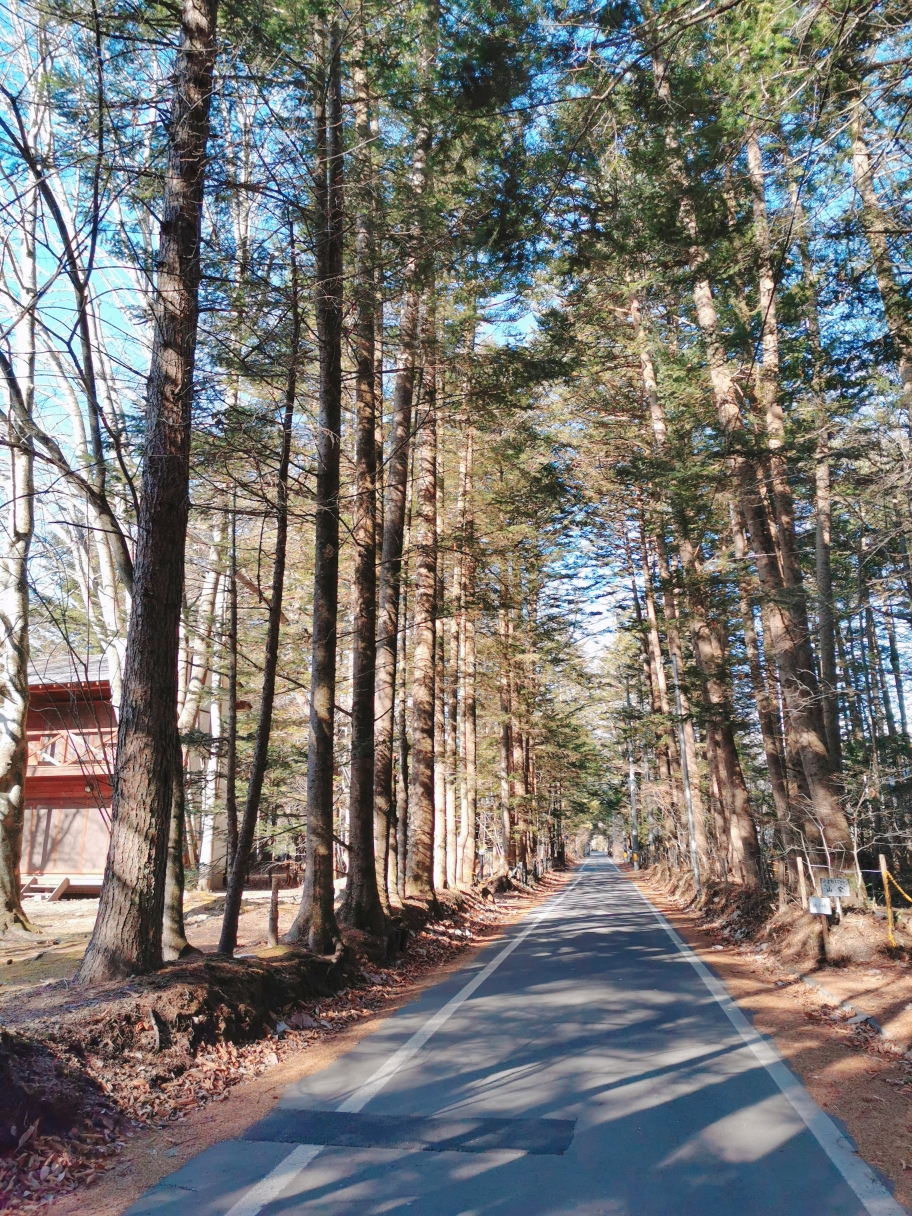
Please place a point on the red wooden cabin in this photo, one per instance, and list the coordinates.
(71, 738)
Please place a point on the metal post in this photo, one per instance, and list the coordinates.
(685, 774)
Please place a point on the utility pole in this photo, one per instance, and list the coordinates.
(631, 781)
(685, 774)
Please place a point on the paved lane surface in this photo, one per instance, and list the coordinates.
(589, 1065)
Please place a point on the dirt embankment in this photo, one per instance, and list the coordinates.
(845, 1026)
(90, 1077)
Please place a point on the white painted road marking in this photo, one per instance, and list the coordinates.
(289, 1167)
(872, 1194)
(400, 1058)
(275, 1182)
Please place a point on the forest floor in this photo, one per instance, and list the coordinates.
(158, 1070)
(859, 1072)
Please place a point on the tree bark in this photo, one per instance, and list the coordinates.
(660, 441)
(201, 648)
(402, 741)
(672, 616)
(394, 511)
(419, 878)
(231, 815)
(823, 501)
(174, 937)
(772, 540)
(211, 874)
(453, 721)
(440, 779)
(876, 226)
(708, 648)
(667, 751)
(18, 529)
(467, 823)
(315, 922)
(470, 729)
(402, 765)
(128, 930)
(240, 863)
(896, 670)
(365, 891)
(506, 746)
(766, 713)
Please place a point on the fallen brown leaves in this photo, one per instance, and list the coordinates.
(47, 1167)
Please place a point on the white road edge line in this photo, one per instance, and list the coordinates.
(271, 1187)
(275, 1181)
(872, 1194)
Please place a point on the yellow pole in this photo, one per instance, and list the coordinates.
(885, 875)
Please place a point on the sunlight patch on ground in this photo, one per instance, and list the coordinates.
(747, 1135)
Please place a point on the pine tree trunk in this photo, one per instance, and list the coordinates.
(402, 775)
(896, 671)
(467, 826)
(766, 713)
(401, 738)
(440, 784)
(823, 503)
(775, 555)
(506, 746)
(231, 816)
(128, 930)
(667, 750)
(672, 614)
(709, 653)
(876, 225)
(315, 922)
(470, 760)
(674, 827)
(776, 485)
(211, 875)
(18, 529)
(389, 589)
(660, 440)
(174, 937)
(365, 892)
(517, 766)
(419, 878)
(876, 659)
(454, 726)
(395, 499)
(240, 863)
(852, 697)
(452, 735)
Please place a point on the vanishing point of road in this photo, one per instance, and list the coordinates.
(587, 1064)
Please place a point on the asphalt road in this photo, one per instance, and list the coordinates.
(589, 1065)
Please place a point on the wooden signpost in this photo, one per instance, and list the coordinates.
(821, 906)
(272, 929)
(802, 885)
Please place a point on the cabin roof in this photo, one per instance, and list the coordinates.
(64, 669)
